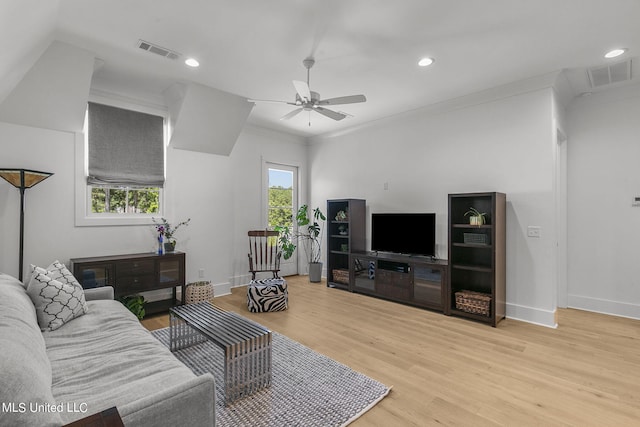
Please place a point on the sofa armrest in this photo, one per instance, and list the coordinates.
(191, 403)
(103, 292)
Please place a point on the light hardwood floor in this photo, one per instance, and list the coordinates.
(450, 371)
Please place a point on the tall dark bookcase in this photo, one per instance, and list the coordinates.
(345, 235)
(477, 255)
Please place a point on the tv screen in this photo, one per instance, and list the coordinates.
(404, 233)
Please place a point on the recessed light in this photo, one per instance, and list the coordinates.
(191, 62)
(614, 53)
(425, 62)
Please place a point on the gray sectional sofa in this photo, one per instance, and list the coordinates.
(102, 359)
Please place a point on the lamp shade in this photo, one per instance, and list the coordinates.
(23, 178)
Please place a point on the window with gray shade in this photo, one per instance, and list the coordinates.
(126, 148)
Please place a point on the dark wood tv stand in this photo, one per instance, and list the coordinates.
(415, 280)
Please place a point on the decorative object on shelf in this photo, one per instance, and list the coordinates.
(198, 292)
(160, 246)
(342, 216)
(310, 227)
(474, 302)
(135, 304)
(343, 230)
(344, 247)
(341, 275)
(475, 238)
(476, 217)
(166, 241)
(23, 179)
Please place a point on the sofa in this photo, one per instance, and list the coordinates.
(101, 359)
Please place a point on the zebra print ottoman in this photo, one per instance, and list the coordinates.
(267, 295)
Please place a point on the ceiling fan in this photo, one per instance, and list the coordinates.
(308, 100)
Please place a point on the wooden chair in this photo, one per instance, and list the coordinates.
(264, 252)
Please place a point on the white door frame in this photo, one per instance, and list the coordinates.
(287, 267)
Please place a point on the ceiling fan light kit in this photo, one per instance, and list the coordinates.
(308, 100)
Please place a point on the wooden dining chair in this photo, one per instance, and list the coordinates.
(264, 252)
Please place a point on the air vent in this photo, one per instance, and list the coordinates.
(158, 50)
(610, 74)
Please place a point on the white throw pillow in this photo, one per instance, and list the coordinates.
(56, 303)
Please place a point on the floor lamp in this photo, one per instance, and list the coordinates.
(23, 179)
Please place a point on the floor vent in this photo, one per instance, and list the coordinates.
(158, 50)
(610, 74)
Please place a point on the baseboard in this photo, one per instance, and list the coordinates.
(614, 308)
(533, 315)
(220, 289)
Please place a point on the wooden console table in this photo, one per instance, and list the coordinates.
(134, 273)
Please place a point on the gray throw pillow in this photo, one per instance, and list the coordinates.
(56, 302)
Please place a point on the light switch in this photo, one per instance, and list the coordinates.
(533, 231)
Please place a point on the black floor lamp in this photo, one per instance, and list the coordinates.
(23, 179)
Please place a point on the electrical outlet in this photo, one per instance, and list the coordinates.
(201, 273)
(534, 231)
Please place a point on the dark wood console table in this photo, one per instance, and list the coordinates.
(134, 273)
(414, 280)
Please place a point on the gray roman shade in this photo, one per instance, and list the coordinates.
(126, 148)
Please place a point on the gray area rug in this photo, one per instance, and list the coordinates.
(307, 388)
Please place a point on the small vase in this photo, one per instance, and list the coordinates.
(169, 246)
(160, 246)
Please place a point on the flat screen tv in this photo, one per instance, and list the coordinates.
(404, 233)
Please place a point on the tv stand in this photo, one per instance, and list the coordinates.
(410, 279)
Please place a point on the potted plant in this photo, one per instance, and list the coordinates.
(476, 217)
(135, 304)
(310, 226)
(166, 232)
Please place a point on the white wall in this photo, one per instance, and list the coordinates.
(604, 176)
(503, 145)
(220, 194)
(255, 146)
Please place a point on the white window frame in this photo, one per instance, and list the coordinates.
(290, 266)
(83, 215)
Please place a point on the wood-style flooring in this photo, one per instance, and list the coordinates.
(455, 372)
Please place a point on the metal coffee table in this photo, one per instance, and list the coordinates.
(246, 344)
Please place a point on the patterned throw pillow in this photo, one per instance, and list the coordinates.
(56, 302)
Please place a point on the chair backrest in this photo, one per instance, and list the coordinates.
(264, 252)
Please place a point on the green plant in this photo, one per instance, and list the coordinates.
(480, 216)
(165, 229)
(135, 304)
(310, 227)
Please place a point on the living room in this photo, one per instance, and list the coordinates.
(566, 163)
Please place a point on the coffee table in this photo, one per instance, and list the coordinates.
(246, 344)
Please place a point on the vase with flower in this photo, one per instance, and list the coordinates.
(166, 232)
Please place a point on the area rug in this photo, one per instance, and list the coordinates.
(307, 388)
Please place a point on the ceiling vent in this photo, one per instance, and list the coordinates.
(610, 74)
(158, 50)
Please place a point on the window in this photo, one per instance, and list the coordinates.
(281, 204)
(280, 209)
(122, 155)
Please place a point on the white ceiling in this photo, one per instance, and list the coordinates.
(255, 48)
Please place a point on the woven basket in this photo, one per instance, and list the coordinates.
(198, 291)
(474, 302)
(341, 276)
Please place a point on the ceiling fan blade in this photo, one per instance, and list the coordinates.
(303, 90)
(351, 99)
(271, 101)
(330, 113)
(291, 114)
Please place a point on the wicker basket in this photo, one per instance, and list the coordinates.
(475, 238)
(341, 276)
(474, 302)
(198, 291)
